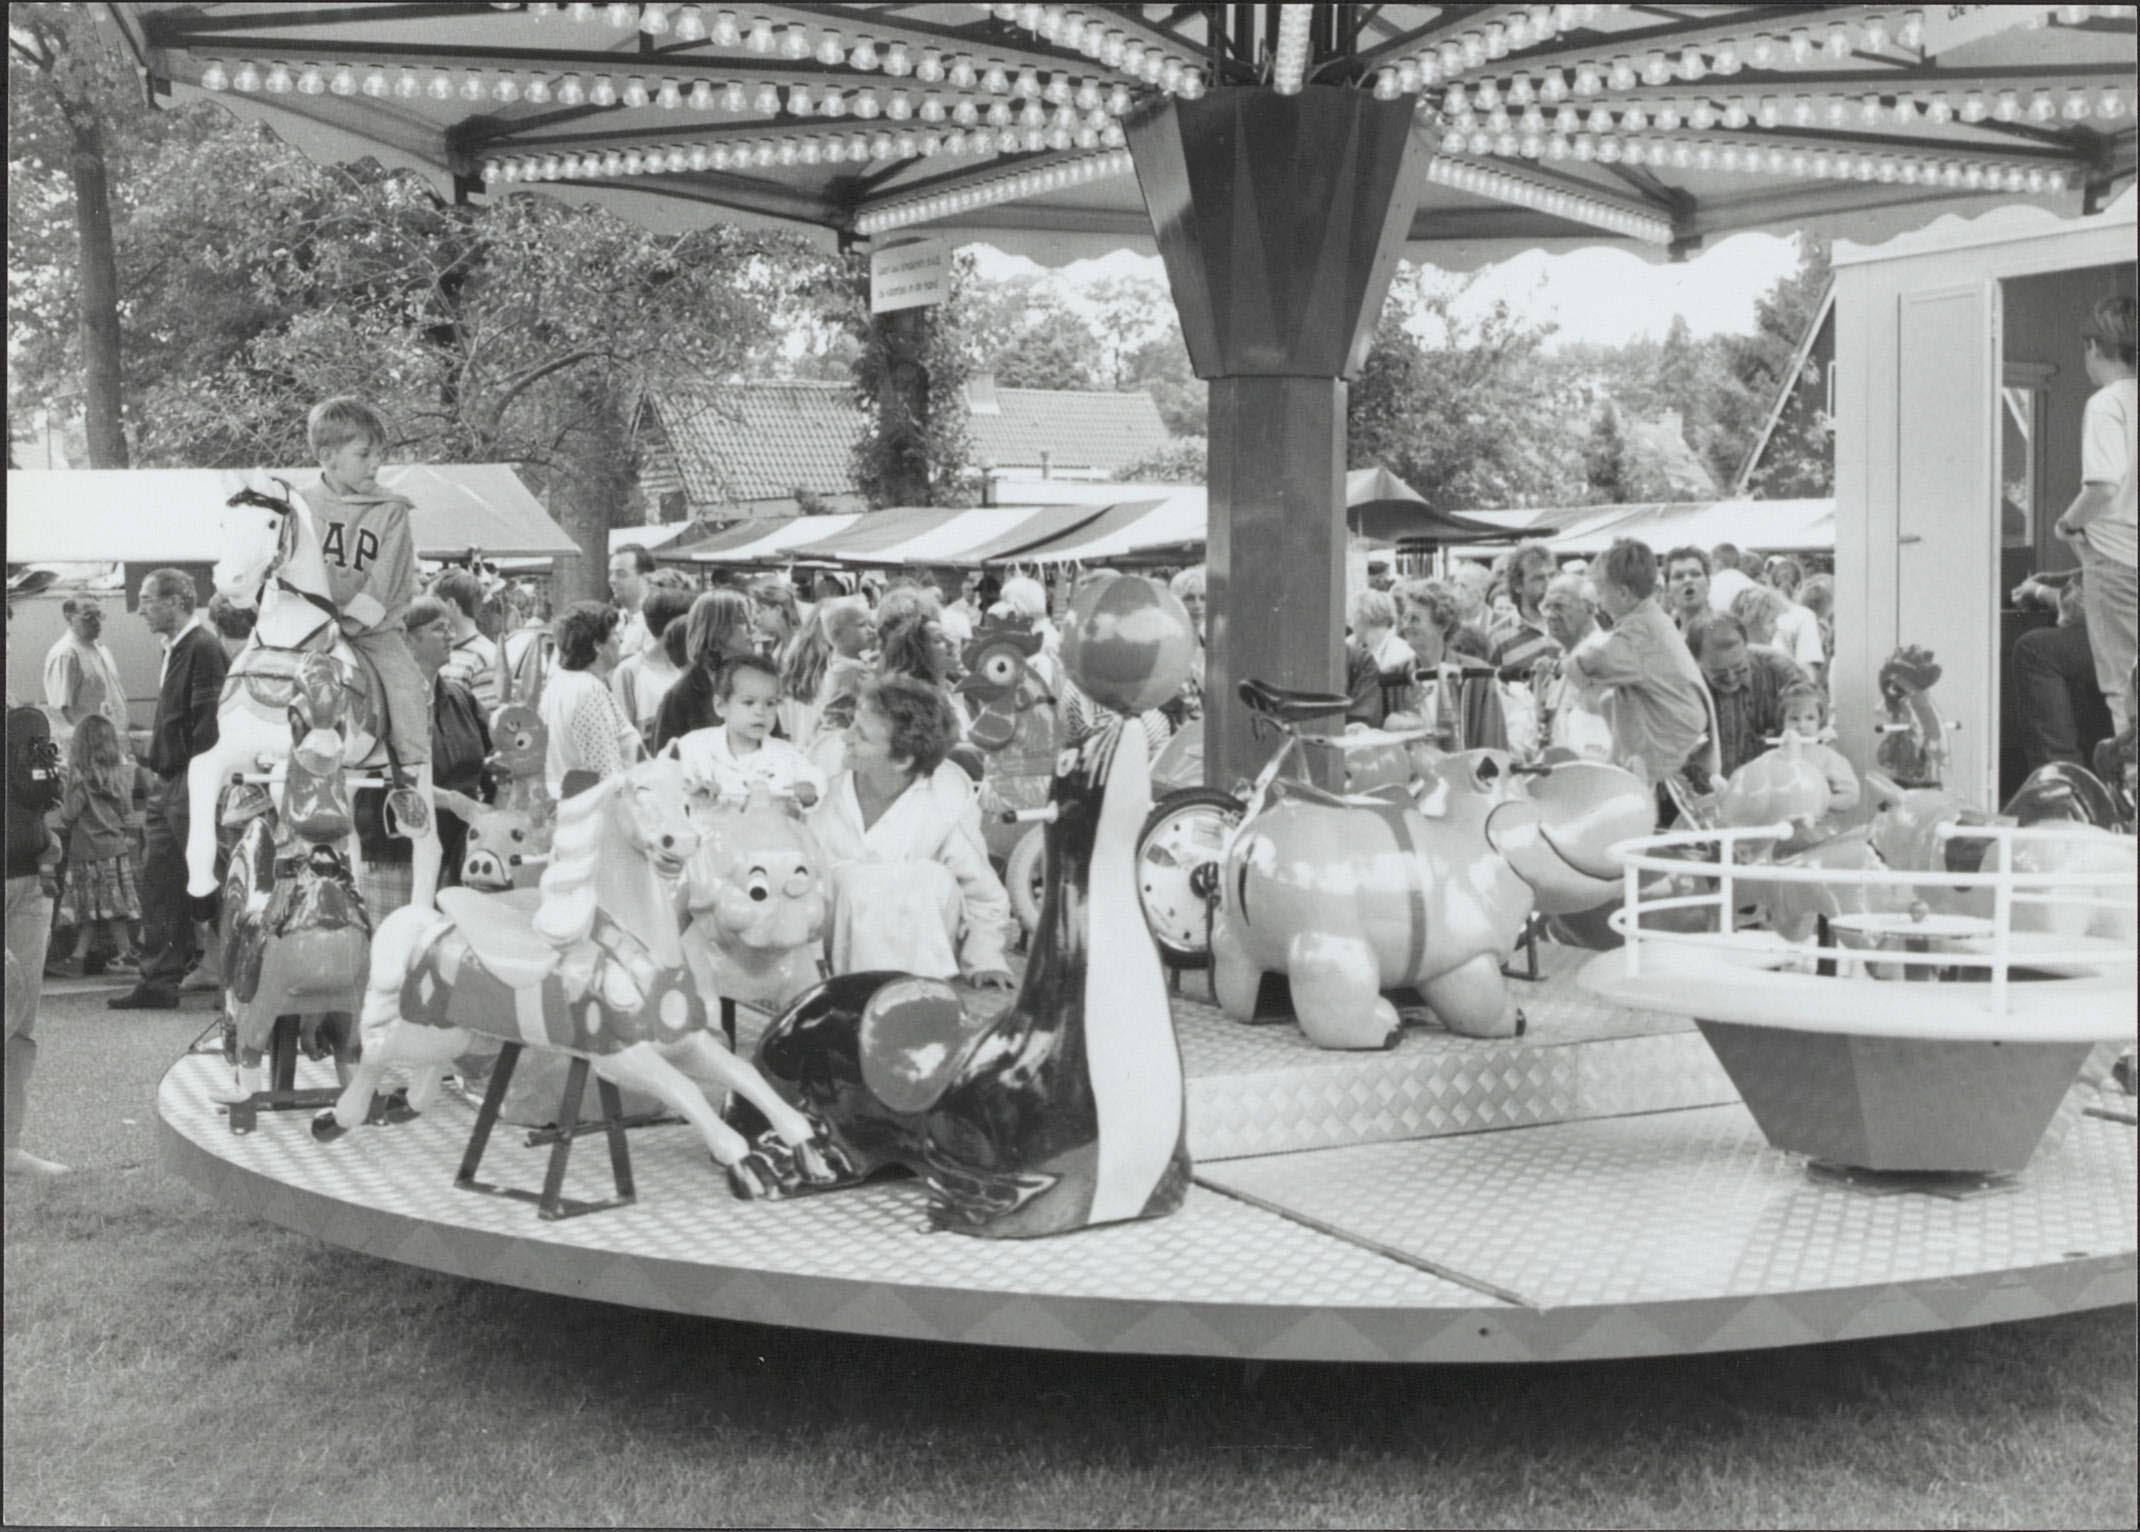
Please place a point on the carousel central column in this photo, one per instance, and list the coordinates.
(1280, 219)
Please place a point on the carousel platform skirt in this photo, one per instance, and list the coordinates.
(1593, 1189)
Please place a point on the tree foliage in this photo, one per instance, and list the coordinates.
(1799, 459)
(1183, 460)
(1458, 406)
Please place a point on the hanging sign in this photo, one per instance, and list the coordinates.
(909, 276)
(1950, 26)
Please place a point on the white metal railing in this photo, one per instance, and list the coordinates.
(2008, 888)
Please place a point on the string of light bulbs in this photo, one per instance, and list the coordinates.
(1502, 186)
(782, 150)
(900, 212)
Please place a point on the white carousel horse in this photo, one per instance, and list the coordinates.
(272, 558)
(598, 970)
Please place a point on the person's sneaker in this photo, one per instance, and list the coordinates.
(141, 999)
(64, 968)
(23, 1164)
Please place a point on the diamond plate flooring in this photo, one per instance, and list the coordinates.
(1674, 1232)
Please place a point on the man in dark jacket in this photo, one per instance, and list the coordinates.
(194, 665)
(33, 790)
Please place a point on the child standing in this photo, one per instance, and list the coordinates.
(371, 573)
(101, 879)
(739, 754)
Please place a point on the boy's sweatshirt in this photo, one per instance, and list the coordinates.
(370, 553)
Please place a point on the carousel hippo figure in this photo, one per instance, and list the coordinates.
(296, 934)
(755, 890)
(1349, 897)
(598, 971)
(272, 560)
(1066, 1110)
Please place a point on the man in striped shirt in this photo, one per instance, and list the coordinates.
(1523, 639)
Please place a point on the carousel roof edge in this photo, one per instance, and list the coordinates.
(2000, 223)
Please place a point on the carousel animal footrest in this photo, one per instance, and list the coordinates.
(551, 1201)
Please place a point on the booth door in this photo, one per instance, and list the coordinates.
(1947, 512)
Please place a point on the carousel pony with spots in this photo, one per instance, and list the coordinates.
(272, 559)
(597, 971)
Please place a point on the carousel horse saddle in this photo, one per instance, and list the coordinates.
(1290, 705)
(500, 934)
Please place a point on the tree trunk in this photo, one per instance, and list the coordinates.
(101, 377)
(587, 490)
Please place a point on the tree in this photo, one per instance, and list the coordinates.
(908, 454)
(1160, 367)
(1183, 460)
(1799, 460)
(1605, 460)
(1458, 405)
(69, 98)
(1057, 350)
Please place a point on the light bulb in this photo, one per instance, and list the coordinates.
(215, 77)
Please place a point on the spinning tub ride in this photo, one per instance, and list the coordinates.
(1595, 1188)
(1939, 1043)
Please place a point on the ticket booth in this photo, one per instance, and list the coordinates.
(1958, 398)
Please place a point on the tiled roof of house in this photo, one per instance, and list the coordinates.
(763, 441)
(1076, 430)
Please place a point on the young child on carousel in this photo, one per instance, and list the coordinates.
(371, 572)
(740, 753)
(1805, 718)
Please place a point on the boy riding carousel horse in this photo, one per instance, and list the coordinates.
(347, 577)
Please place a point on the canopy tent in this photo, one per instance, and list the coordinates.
(906, 535)
(1781, 526)
(169, 515)
(1381, 506)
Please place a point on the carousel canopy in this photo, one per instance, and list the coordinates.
(169, 515)
(1774, 526)
(1549, 125)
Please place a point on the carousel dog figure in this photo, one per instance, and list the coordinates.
(1066, 1110)
(296, 934)
(272, 558)
(756, 894)
(1352, 896)
(598, 971)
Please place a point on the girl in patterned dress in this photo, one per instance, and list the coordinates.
(100, 872)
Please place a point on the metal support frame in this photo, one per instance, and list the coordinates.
(551, 1202)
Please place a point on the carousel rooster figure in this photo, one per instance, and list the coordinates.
(1066, 1110)
(1913, 738)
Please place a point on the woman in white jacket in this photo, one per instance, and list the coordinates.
(911, 890)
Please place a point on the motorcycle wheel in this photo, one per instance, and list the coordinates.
(1178, 853)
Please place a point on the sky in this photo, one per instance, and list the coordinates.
(1599, 295)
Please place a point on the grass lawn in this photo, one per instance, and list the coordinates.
(171, 1361)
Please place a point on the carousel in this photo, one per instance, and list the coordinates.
(1396, 1046)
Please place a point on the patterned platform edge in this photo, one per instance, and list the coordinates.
(1415, 1318)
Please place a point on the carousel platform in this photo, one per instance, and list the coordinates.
(1592, 1189)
